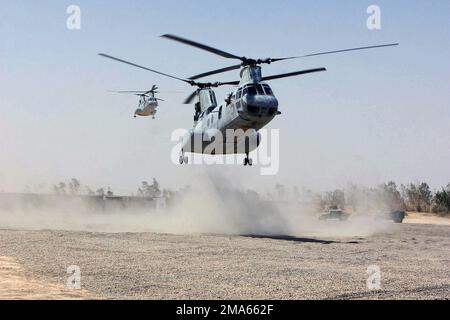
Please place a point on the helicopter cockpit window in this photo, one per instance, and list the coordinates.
(269, 91)
(260, 90)
(251, 90)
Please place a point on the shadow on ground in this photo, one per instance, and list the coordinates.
(292, 238)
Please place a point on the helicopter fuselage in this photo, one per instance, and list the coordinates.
(245, 111)
(147, 108)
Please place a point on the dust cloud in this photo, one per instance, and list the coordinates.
(210, 205)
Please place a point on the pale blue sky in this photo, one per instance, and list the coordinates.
(374, 116)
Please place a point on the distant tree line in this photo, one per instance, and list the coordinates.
(411, 197)
(441, 201)
(388, 196)
(74, 188)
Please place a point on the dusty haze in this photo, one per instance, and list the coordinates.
(210, 205)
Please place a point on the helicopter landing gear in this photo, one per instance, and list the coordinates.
(183, 159)
(153, 118)
(248, 161)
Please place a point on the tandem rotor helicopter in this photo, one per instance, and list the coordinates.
(147, 102)
(250, 107)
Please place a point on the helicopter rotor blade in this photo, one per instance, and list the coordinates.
(140, 91)
(142, 67)
(190, 98)
(292, 74)
(229, 83)
(333, 52)
(201, 46)
(209, 73)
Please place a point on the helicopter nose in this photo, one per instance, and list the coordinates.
(260, 105)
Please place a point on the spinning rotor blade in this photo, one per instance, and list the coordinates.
(336, 51)
(188, 81)
(141, 67)
(191, 98)
(248, 61)
(140, 91)
(209, 73)
(230, 83)
(136, 93)
(201, 46)
(292, 74)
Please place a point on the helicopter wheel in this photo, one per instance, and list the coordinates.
(183, 159)
(248, 161)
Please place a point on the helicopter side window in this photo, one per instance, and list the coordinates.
(269, 91)
(213, 98)
(244, 91)
(239, 94)
(220, 113)
(208, 111)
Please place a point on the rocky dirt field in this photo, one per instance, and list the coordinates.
(414, 260)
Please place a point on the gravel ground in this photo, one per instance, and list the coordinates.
(414, 261)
